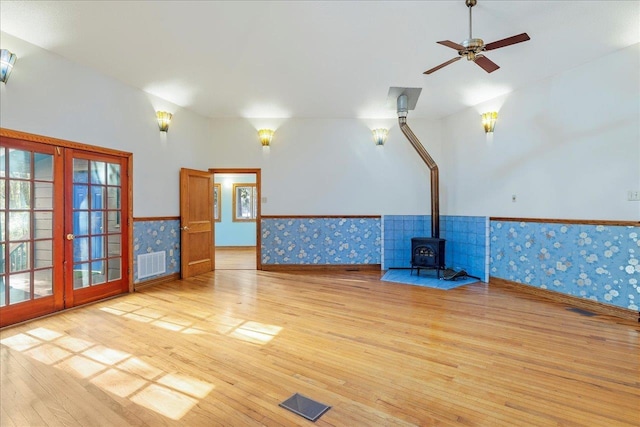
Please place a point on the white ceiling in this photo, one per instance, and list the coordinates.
(322, 59)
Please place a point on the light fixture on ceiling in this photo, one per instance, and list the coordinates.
(265, 136)
(164, 119)
(380, 135)
(489, 121)
(7, 59)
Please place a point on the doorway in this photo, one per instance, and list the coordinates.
(237, 207)
(64, 225)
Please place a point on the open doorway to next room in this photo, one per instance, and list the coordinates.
(236, 212)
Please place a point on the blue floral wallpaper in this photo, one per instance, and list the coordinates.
(598, 262)
(466, 247)
(156, 236)
(321, 241)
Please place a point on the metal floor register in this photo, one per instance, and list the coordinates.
(305, 407)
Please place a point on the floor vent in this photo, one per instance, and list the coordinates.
(151, 264)
(305, 407)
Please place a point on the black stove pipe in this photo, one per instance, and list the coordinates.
(422, 152)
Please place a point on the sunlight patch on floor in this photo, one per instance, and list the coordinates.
(117, 372)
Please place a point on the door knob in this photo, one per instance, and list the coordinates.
(70, 236)
(185, 228)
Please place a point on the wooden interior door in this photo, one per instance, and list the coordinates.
(196, 219)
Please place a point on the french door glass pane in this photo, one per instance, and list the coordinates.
(98, 173)
(43, 166)
(81, 249)
(43, 253)
(42, 283)
(2, 198)
(114, 245)
(80, 195)
(19, 164)
(97, 222)
(3, 294)
(80, 223)
(42, 225)
(97, 247)
(19, 287)
(19, 227)
(19, 256)
(98, 270)
(97, 197)
(113, 174)
(81, 276)
(113, 198)
(19, 194)
(3, 171)
(113, 221)
(115, 272)
(80, 171)
(2, 259)
(3, 231)
(43, 195)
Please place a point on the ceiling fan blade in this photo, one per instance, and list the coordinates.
(488, 65)
(507, 42)
(452, 45)
(451, 61)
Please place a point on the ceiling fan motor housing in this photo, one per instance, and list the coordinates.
(471, 48)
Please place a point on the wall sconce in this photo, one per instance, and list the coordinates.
(265, 136)
(489, 121)
(380, 135)
(7, 59)
(164, 119)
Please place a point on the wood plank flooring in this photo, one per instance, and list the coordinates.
(235, 258)
(224, 348)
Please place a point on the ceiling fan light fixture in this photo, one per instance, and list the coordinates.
(472, 48)
(489, 121)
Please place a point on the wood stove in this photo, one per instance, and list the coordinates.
(427, 252)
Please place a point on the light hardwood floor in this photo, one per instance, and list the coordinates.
(224, 348)
(235, 258)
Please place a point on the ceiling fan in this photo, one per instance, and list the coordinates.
(471, 48)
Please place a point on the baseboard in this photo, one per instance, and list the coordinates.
(156, 281)
(323, 267)
(583, 303)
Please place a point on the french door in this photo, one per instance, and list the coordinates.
(64, 235)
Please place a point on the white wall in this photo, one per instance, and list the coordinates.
(567, 147)
(331, 166)
(51, 96)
